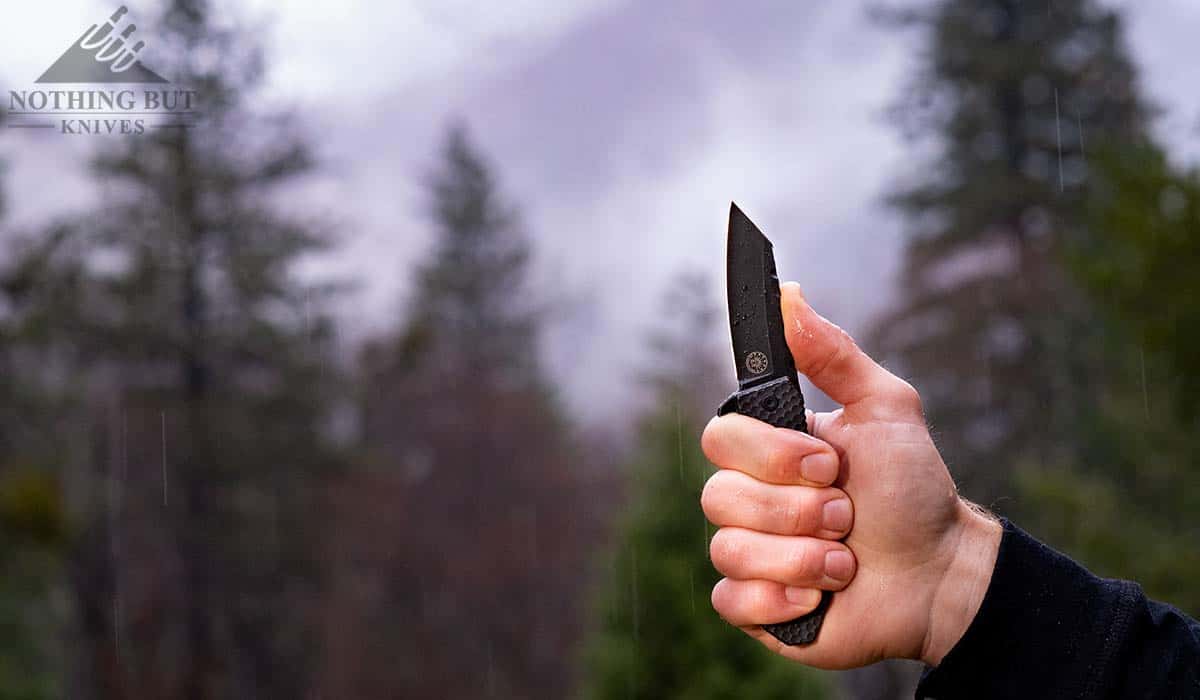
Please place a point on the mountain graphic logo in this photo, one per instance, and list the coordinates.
(102, 55)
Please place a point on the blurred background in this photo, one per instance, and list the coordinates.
(383, 377)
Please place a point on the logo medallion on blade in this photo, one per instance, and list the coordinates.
(756, 362)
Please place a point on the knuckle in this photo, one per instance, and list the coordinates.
(726, 550)
(782, 465)
(906, 397)
(822, 361)
(804, 563)
(720, 597)
(802, 513)
(719, 605)
(845, 341)
(710, 439)
(755, 601)
(710, 497)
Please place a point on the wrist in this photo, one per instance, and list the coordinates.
(959, 593)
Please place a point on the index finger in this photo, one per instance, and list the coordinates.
(832, 361)
(767, 453)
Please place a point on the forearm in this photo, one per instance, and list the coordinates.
(1046, 627)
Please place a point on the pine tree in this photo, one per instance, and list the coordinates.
(32, 534)
(1046, 308)
(991, 329)
(468, 441)
(471, 307)
(1128, 506)
(186, 363)
(655, 634)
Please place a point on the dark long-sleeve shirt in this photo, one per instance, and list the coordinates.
(1048, 628)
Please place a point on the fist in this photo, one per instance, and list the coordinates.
(779, 521)
(864, 507)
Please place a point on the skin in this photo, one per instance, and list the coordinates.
(909, 558)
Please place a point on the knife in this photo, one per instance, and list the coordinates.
(767, 385)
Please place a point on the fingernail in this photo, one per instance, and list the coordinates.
(839, 565)
(806, 597)
(819, 468)
(836, 515)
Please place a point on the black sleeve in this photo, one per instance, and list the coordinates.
(1047, 628)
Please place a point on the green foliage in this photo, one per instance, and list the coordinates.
(175, 374)
(1116, 532)
(992, 330)
(32, 533)
(1128, 507)
(1141, 263)
(31, 507)
(1050, 319)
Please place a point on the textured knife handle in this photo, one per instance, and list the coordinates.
(780, 403)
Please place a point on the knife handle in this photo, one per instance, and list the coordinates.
(780, 403)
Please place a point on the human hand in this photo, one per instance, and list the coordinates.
(917, 561)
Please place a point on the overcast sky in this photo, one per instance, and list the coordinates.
(623, 129)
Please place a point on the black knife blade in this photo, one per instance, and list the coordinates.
(768, 388)
(755, 320)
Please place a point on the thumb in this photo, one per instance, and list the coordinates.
(833, 362)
